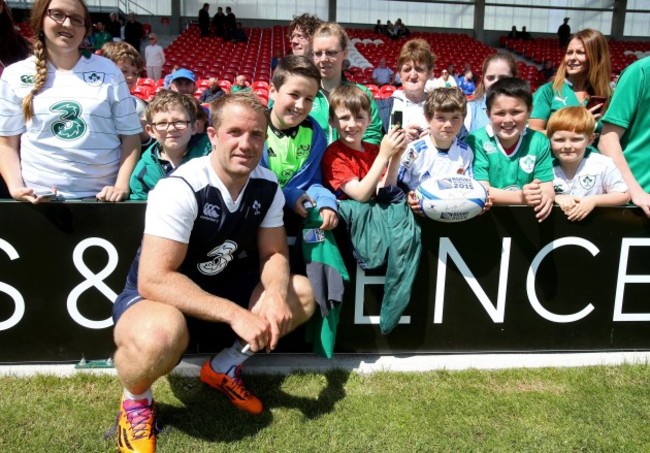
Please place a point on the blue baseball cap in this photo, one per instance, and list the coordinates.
(182, 73)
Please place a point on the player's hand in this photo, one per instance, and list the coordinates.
(252, 329)
(299, 206)
(277, 313)
(543, 208)
(112, 193)
(414, 203)
(581, 209)
(532, 193)
(330, 219)
(643, 201)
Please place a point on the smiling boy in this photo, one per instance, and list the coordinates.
(295, 143)
(352, 167)
(439, 153)
(171, 121)
(510, 160)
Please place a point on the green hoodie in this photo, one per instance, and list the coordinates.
(149, 170)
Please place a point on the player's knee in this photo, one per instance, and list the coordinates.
(160, 334)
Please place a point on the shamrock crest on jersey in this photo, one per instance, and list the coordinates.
(94, 79)
(27, 80)
(223, 254)
(587, 181)
(527, 163)
(69, 126)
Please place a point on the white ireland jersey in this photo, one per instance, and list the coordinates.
(172, 206)
(596, 175)
(72, 142)
(422, 160)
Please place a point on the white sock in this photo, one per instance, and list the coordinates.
(147, 394)
(229, 358)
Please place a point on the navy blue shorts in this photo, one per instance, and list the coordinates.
(238, 291)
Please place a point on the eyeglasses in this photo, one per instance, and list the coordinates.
(330, 54)
(59, 17)
(163, 126)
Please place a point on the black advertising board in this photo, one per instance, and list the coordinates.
(497, 283)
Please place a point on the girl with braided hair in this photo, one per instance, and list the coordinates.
(68, 124)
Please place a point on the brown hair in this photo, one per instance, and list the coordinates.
(499, 56)
(446, 99)
(307, 23)
(350, 97)
(165, 99)
(574, 119)
(598, 60)
(246, 99)
(295, 65)
(417, 51)
(39, 11)
(122, 51)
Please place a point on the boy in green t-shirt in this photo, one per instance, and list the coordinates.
(512, 161)
(171, 121)
(295, 143)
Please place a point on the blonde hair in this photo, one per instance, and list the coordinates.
(246, 99)
(332, 29)
(39, 11)
(574, 119)
(122, 51)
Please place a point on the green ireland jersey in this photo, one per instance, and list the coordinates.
(530, 160)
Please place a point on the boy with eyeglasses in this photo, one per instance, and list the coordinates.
(171, 121)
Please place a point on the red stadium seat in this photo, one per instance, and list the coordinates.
(260, 84)
(225, 85)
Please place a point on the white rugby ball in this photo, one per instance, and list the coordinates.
(452, 198)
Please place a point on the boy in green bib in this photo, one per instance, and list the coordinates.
(295, 142)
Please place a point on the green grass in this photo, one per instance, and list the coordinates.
(595, 409)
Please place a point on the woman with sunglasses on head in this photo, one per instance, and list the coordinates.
(584, 73)
(69, 125)
(329, 51)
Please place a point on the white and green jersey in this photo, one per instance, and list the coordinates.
(531, 159)
(596, 175)
(72, 141)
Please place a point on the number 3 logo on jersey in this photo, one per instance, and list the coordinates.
(223, 254)
(69, 126)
